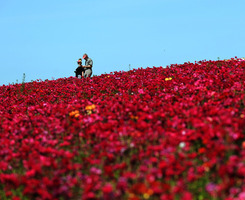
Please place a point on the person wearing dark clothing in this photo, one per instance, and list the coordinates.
(79, 70)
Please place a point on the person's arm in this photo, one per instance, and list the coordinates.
(89, 65)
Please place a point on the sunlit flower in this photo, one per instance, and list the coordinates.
(90, 108)
(182, 144)
(148, 194)
(243, 144)
(134, 117)
(75, 114)
(168, 79)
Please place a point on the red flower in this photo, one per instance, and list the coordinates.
(146, 133)
(107, 188)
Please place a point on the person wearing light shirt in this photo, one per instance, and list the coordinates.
(88, 66)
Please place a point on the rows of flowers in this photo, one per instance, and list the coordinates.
(156, 133)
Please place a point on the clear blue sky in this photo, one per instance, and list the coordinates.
(44, 39)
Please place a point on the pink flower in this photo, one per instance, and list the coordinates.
(141, 91)
(241, 196)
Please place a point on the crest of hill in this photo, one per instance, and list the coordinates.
(149, 80)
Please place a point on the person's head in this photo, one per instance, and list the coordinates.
(85, 56)
(79, 61)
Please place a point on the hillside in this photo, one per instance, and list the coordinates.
(156, 133)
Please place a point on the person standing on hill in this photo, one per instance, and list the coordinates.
(88, 66)
(80, 70)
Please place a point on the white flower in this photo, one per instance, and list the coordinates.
(182, 145)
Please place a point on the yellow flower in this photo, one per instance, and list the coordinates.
(90, 107)
(168, 79)
(75, 114)
(89, 112)
(148, 194)
(242, 115)
(134, 117)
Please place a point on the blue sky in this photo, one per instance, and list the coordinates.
(44, 39)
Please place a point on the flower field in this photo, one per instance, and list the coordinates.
(156, 133)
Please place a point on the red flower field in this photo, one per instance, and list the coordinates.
(156, 133)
